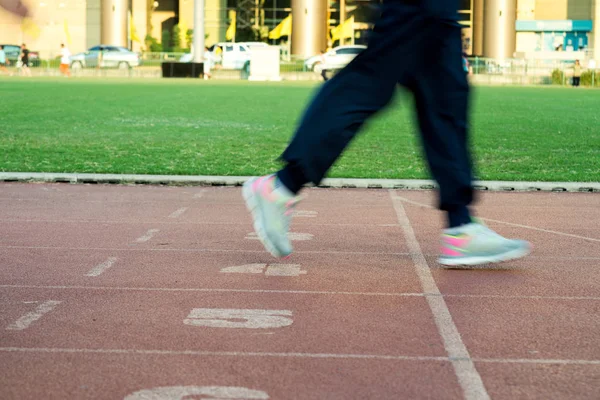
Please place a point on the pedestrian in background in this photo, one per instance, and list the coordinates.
(65, 60)
(576, 74)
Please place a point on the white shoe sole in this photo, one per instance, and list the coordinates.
(472, 261)
(252, 204)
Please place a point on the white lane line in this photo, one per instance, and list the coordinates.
(100, 268)
(508, 223)
(543, 230)
(468, 377)
(291, 355)
(177, 214)
(147, 236)
(210, 290)
(222, 353)
(31, 317)
(536, 361)
(137, 221)
(324, 292)
(369, 253)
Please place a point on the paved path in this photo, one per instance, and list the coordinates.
(149, 292)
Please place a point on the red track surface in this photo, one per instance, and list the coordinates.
(113, 291)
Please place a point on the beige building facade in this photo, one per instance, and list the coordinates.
(493, 28)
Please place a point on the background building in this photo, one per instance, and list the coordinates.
(493, 28)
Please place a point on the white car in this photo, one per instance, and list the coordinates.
(233, 55)
(336, 58)
(106, 57)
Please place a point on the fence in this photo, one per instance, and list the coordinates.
(481, 70)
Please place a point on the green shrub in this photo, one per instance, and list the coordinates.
(558, 77)
(152, 44)
(166, 40)
(589, 77)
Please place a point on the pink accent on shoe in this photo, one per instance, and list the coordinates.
(456, 241)
(450, 252)
(256, 184)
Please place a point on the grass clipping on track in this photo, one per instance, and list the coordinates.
(188, 127)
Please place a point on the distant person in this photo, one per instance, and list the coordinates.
(465, 64)
(576, 73)
(25, 60)
(207, 66)
(65, 60)
(3, 60)
(323, 66)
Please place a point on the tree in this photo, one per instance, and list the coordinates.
(166, 40)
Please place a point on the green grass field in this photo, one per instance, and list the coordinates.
(240, 128)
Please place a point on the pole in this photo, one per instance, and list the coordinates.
(342, 16)
(198, 42)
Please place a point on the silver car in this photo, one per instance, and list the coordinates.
(336, 58)
(105, 56)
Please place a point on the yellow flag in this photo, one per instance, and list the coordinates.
(343, 30)
(283, 29)
(230, 34)
(132, 32)
(67, 34)
(30, 28)
(182, 32)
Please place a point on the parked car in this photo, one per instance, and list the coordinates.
(12, 52)
(336, 58)
(105, 56)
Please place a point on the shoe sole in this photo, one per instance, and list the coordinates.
(472, 261)
(252, 204)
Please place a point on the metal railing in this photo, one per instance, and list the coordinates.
(481, 70)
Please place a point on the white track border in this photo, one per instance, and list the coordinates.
(196, 180)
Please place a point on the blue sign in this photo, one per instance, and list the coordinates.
(567, 25)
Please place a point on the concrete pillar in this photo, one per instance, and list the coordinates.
(500, 35)
(309, 27)
(477, 27)
(114, 22)
(139, 11)
(198, 40)
(595, 34)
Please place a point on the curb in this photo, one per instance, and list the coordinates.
(412, 184)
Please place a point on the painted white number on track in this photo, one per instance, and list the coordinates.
(232, 318)
(31, 317)
(271, 270)
(203, 392)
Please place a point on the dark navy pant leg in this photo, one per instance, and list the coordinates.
(441, 93)
(361, 89)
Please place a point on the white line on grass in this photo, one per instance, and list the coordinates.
(100, 268)
(31, 317)
(468, 377)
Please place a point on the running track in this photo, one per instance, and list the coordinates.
(153, 292)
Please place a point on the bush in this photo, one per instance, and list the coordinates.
(558, 77)
(152, 44)
(166, 40)
(176, 39)
(588, 78)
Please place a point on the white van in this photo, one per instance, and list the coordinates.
(235, 55)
